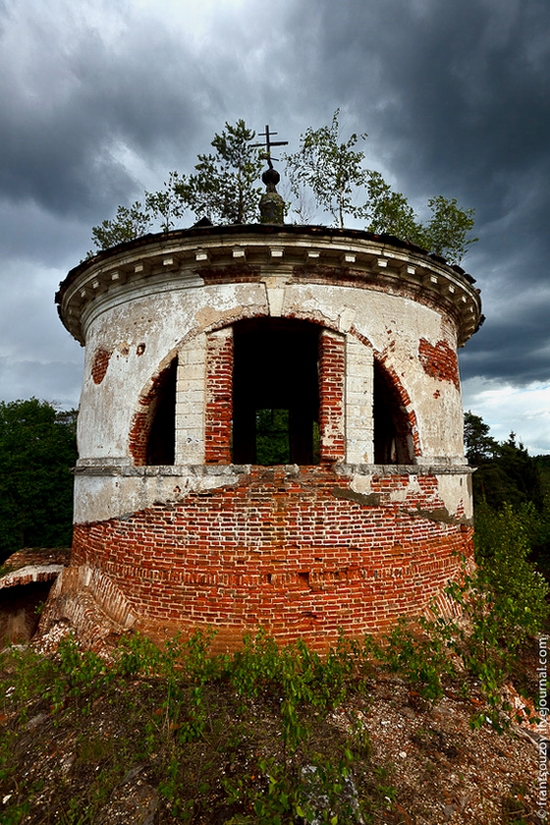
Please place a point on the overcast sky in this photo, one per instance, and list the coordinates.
(99, 100)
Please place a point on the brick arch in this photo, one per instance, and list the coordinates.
(404, 419)
(31, 574)
(223, 323)
(228, 319)
(219, 410)
(407, 424)
(146, 408)
(219, 388)
(219, 404)
(217, 436)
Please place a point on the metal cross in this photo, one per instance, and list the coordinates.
(268, 143)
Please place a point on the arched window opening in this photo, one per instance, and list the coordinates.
(391, 426)
(275, 392)
(20, 612)
(161, 444)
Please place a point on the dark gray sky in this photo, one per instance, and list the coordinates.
(101, 99)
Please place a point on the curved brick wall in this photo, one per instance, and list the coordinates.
(191, 334)
(297, 552)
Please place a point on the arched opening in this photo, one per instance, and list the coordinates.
(392, 431)
(275, 392)
(20, 611)
(161, 444)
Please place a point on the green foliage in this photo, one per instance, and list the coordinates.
(321, 792)
(182, 707)
(25, 674)
(81, 677)
(222, 186)
(543, 465)
(479, 446)
(167, 205)
(294, 672)
(163, 207)
(446, 233)
(421, 653)
(250, 738)
(272, 437)
(16, 814)
(517, 591)
(137, 654)
(522, 475)
(507, 597)
(37, 450)
(330, 167)
(333, 170)
(173, 699)
(221, 189)
(505, 472)
(389, 212)
(505, 600)
(128, 223)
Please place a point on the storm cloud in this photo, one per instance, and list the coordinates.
(100, 100)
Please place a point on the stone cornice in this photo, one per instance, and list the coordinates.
(190, 258)
(232, 470)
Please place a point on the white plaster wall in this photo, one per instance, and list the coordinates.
(394, 326)
(190, 401)
(453, 492)
(161, 321)
(99, 497)
(121, 493)
(359, 418)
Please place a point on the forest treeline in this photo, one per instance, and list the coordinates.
(37, 452)
(507, 478)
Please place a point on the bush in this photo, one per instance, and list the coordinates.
(517, 591)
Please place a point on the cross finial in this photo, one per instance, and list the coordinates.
(268, 143)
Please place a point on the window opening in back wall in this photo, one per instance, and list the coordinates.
(275, 392)
(161, 445)
(391, 425)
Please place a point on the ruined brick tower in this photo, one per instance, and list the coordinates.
(270, 432)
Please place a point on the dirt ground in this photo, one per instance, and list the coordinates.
(437, 769)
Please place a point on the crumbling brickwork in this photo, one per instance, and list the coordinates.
(328, 351)
(439, 362)
(219, 399)
(300, 554)
(332, 372)
(141, 423)
(100, 364)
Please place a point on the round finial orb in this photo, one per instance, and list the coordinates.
(271, 177)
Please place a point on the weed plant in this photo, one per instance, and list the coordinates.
(240, 739)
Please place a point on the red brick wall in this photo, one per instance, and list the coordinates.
(300, 555)
(406, 423)
(440, 361)
(100, 364)
(332, 376)
(219, 397)
(219, 389)
(142, 420)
